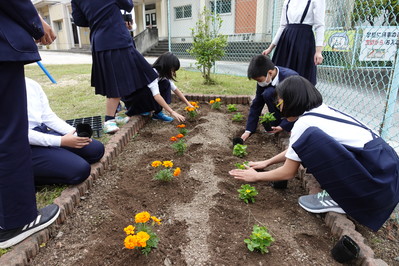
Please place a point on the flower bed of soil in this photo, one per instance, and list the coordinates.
(203, 220)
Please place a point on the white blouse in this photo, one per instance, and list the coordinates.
(39, 112)
(154, 87)
(343, 133)
(314, 17)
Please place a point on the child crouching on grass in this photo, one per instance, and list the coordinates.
(157, 96)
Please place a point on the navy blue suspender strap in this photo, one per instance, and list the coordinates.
(305, 12)
(286, 12)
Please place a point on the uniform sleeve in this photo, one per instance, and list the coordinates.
(154, 87)
(318, 24)
(50, 119)
(42, 139)
(24, 13)
(125, 5)
(78, 16)
(172, 85)
(299, 127)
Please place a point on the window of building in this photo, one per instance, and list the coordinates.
(222, 6)
(58, 25)
(183, 12)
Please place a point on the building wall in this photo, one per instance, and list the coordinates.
(245, 21)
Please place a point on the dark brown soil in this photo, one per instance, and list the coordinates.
(203, 220)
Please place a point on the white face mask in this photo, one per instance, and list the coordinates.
(265, 83)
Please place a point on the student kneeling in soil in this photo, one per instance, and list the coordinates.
(268, 76)
(58, 155)
(158, 96)
(358, 170)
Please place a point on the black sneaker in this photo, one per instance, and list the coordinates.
(319, 203)
(45, 217)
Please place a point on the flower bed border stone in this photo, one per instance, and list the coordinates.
(22, 253)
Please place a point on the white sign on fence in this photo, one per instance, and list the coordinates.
(379, 44)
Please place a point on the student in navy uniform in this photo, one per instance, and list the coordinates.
(296, 46)
(118, 68)
(59, 156)
(20, 25)
(268, 76)
(158, 98)
(325, 141)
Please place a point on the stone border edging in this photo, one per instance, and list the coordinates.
(20, 254)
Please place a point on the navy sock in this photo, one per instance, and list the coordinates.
(107, 117)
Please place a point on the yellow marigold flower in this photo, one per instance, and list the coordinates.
(155, 219)
(217, 100)
(247, 191)
(167, 164)
(131, 242)
(129, 230)
(181, 126)
(142, 238)
(212, 101)
(173, 138)
(142, 217)
(177, 171)
(156, 163)
(179, 136)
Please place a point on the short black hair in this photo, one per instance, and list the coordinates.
(299, 95)
(166, 64)
(259, 66)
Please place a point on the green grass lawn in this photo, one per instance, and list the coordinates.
(73, 97)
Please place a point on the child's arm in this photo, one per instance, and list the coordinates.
(182, 97)
(160, 100)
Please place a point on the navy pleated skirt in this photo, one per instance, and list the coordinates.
(369, 199)
(120, 72)
(142, 100)
(296, 49)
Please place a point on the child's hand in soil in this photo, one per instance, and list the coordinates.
(249, 175)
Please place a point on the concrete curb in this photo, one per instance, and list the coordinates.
(21, 254)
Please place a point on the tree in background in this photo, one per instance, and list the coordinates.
(370, 10)
(208, 45)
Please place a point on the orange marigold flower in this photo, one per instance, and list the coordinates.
(190, 109)
(155, 219)
(142, 217)
(177, 171)
(156, 163)
(131, 242)
(129, 230)
(195, 104)
(142, 238)
(212, 101)
(167, 164)
(217, 100)
(181, 126)
(179, 136)
(173, 138)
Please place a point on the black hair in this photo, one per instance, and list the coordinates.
(166, 65)
(299, 95)
(259, 66)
